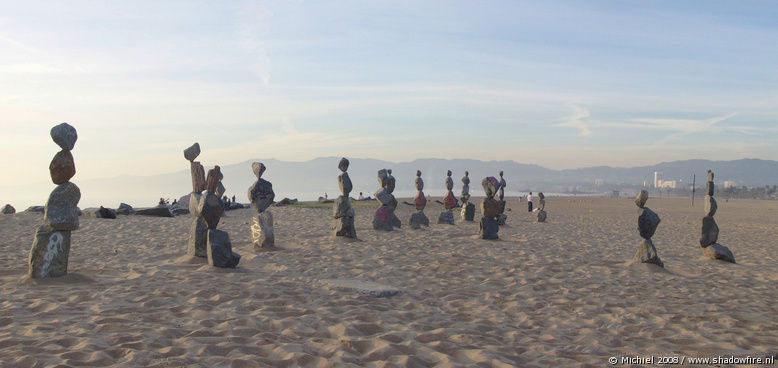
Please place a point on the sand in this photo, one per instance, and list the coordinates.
(560, 293)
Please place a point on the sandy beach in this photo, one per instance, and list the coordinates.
(560, 293)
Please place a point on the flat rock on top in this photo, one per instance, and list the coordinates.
(192, 152)
(64, 135)
(364, 287)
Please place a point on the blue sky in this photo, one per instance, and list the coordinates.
(562, 84)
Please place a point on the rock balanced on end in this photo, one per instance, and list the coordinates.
(648, 221)
(343, 213)
(261, 196)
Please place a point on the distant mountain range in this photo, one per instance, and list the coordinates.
(309, 179)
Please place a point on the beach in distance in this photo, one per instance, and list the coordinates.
(561, 293)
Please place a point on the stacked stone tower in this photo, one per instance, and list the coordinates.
(211, 208)
(261, 197)
(468, 209)
(501, 217)
(541, 207)
(648, 221)
(198, 233)
(710, 231)
(343, 224)
(51, 246)
(488, 227)
(449, 202)
(420, 201)
(384, 218)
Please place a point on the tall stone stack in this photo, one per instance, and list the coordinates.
(51, 246)
(648, 221)
(211, 208)
(710, 231)
(420, 201)
(343, 224)
(468, 209)
(384, 218)
(541, 207)
(488, 227)
(198, 232)
(261, 197)
(449, 202)
(501, 217)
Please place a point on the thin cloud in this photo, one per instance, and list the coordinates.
(576, 121)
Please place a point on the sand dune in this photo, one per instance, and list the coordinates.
(560, 293)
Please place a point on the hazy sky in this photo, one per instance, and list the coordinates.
(562, 84)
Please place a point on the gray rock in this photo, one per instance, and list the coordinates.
(261, 195)
(710, 231)
(192, 152)
(449, 181)
(49, 253)
(8, 209)
(541, 204)
(390, 182)
(155, 212)
(384, 197)
(342, 208)
(491, 185)
(343, 164)
(178, 210)
(709, 188)
(125, 209)
(220, 190)
(344, 226)
(61, 209)
(258, 168)
(710, 175)
(194, 203)
(198, 238)
(488, 228)
(648, 221)
(501, 206)
(718, 251)
(344, 182)
(468, 212)
(39, 209)
(710, 206)
(641, 198)
(418, 219)
(62, 167)
(446, 217)
(542, 216)
(211, 209)
(501, 219)
(219, 250)
(502, 187)
(419, 182)
(65, 136)
(646, 253)
(262, 234)
(107, 213)
(213, 179)
(490, 208)
(364, 287)
(382, 219)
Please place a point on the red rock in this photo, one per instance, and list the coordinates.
(450, 202)
(62, 167)
(198, 177)
(420, 201)
(213, 179)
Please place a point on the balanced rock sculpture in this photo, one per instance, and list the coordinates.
(8, 210)
(384, 218)
(710, 231)
(211, 209)
(541, 207)
(418, 218)
(488, 227)
(51, 246)
(261, 197)
(198, 232)
(648, 221)
(468, 209)
(501, 217)
(343, 213)
(449, 202)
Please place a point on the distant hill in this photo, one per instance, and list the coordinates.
(309, 179)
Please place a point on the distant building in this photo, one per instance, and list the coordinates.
(657, 179)
(729, 184)
(599, 182)
(667, 184)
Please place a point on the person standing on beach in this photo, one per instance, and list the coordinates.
(529, 201)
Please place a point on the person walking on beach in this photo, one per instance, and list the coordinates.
(529, 202)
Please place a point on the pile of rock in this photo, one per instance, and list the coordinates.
(541, 207)
(648, 221)
(125, 209)
(198, 232)
(8, 209)
(261, 197)
(418, 218)
(343, 213)
(210, 209)
(449, 202)
(488, 227)
(501, 217)
(468, 209)
(51, 246)
(384, 218)
(710, 231)
(102, 212)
